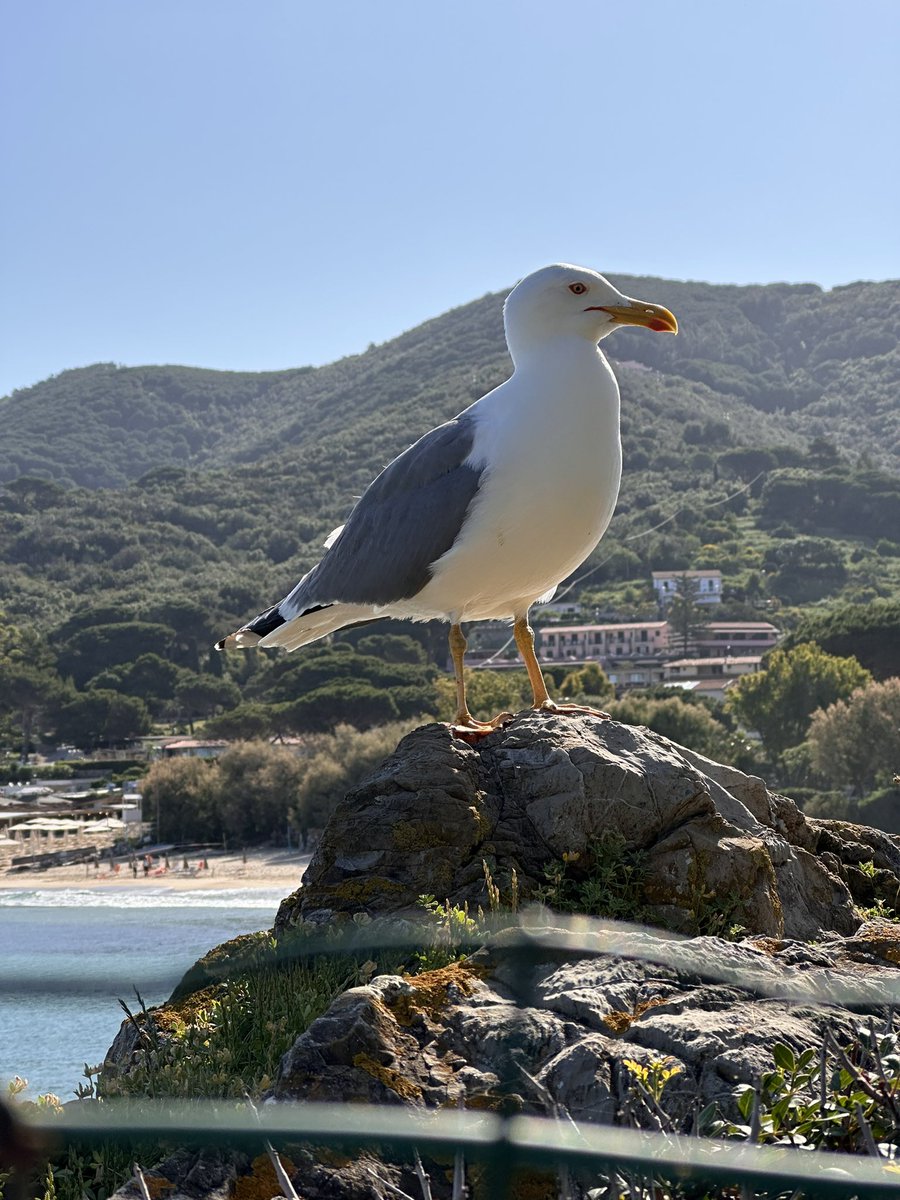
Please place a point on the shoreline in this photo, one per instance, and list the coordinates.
(263, 869)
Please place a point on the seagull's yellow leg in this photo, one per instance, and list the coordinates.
(465, 725)
(524, 635)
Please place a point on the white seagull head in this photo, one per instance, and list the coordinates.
(564, 300)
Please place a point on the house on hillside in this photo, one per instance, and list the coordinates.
(556, 608)
(711, 668)
(734, 637)
(712, 689)
(707, 585)
(193, 748)
(627, 673)
(710, 676)
(599, 643)
(215, 748)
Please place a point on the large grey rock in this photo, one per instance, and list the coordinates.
(478, 1030)
(546, 786)
(562, 1034)
(484, 1035)
(556, 1032)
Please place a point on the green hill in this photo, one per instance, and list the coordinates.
(820, 361)
(125, 487)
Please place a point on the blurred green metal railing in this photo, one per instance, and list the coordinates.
(504, 1143)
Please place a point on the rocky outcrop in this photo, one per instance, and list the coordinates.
(546, 787)
(485, 1034)
(567, 1031)
(565, 1035)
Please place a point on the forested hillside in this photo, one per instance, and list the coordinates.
(824, 362)
(145, 511)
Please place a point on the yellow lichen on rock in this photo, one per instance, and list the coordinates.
(158, 1186)
(404, 1088)
(429, 992)
(360, 890)
(420, 835)
(619, 1021)
(262, 1182)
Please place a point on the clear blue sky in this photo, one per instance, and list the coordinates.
(260, 185)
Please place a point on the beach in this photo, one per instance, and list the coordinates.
(73, 943)
(255, 869)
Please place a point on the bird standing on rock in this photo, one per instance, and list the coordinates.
(487, 513)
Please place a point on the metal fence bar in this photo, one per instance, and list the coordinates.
(569, 938)
(530, 1140)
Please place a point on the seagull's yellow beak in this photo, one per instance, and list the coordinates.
(653, 316)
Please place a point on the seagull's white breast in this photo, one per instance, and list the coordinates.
(549, 442)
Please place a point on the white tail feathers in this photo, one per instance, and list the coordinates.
(241, 640)
(315, 625)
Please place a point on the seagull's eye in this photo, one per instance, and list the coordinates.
(578, 288)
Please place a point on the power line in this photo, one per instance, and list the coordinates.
(633, 537)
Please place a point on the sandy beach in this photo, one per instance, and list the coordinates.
(256, 869)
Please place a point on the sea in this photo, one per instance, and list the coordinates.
(68, 956)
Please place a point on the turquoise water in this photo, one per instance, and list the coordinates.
(83, 949)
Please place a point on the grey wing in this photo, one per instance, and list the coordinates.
(405, 520)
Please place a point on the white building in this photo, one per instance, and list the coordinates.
(707, 585)
(709, 668)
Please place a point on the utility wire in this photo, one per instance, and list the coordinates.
(632, 537)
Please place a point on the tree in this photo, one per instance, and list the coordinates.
(337, 762)
(100, 717)
(806, 569)
(249, 721)
(150, 677)
(488, 693)
(691, 725)
(182, 796)
(256, 785)
(102, 647)
(778, 702)
(30, 687)
(194, 630)
(748, 463)
(686, 615)
(203, 695)
(393, 647)
(341, 702)
(587, 681)
(857, 741)
(870, 632)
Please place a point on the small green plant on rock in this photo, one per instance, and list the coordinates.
(450, 929)
(654, 1074)
(831, 1098)
(225, 1039)
(714, 915)
(605, 880)
(879, 911)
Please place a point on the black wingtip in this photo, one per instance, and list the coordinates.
(264, 623)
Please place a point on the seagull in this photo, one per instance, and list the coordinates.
(486, 514)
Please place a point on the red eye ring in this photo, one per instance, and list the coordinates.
(578, 288)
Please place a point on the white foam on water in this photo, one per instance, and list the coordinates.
(159, 897)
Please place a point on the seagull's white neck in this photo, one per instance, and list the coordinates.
(559, 355)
